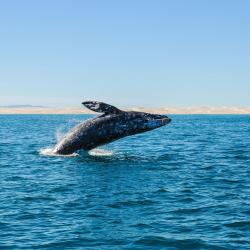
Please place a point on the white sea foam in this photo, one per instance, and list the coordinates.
(100, 152)
(51, 152)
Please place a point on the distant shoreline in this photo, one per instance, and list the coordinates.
(170, 110)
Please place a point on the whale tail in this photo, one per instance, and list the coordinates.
(101, 107)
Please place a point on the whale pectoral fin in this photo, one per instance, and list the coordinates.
(101, 107)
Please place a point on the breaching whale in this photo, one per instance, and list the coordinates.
(111, 125)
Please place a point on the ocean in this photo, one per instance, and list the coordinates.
(182, 186)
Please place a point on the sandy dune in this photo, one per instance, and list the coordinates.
(169, 110)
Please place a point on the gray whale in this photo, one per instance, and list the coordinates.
(112, 125)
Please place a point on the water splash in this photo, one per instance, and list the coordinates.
(51, 152)
(60, 134)
(100, 152)
(64, 129)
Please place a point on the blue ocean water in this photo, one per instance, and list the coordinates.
(183, 186)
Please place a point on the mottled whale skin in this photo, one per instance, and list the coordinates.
(112, 125)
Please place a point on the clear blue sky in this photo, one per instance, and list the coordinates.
(130, 52)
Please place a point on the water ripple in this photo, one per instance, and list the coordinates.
(184, 186)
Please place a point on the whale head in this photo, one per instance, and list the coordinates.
(139, 122)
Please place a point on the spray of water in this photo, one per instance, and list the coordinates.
(60, 134)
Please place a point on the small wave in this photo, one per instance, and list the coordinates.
(130, 203)
(238, 224)
(50, 152)
(162, 242)
(100, 152)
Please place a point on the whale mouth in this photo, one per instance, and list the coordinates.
(162, 119)
(157, 121)
(165, 120)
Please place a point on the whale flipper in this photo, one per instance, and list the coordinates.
(101, 107)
